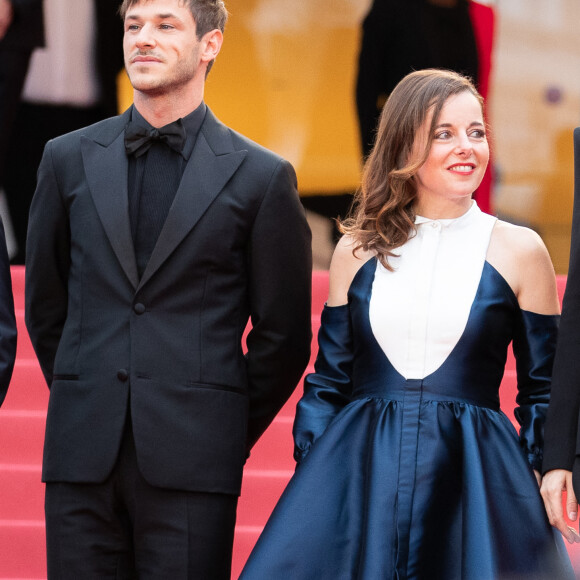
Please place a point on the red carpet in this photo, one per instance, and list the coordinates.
(22, 420)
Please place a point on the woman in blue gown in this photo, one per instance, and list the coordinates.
(407, 467)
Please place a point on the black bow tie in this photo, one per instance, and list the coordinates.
(138, 139)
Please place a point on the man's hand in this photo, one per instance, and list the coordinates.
(6, 15)
(554, 483)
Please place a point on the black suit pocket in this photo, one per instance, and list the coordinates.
(61, 377)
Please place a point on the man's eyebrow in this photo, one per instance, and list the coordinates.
(161, 16)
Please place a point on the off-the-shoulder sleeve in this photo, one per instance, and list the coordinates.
(534, 347)
(327, 390)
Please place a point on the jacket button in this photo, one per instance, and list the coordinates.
(122, 375)
(139, 308)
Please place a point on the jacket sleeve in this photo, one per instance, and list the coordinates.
(562, 420)
(328, 389)
(47, 266)
(534, 347)
(280, 270)
(7, 320)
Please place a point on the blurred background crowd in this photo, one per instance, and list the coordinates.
(307, 79)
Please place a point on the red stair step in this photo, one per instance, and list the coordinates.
(23, 547)
(273, 452)
(22, 493)
(22, 437)
(28, 389)
(17, 273)
(245, 539)
(24, 350)
(261, 490)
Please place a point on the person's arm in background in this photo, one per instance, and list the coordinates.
(7, 319)
(561, 431)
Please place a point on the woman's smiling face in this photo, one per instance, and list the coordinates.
(458, 155)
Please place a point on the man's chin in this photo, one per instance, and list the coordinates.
(147, 86)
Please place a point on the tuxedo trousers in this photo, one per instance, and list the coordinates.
(126, 529)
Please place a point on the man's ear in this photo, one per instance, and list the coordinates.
(211, 44)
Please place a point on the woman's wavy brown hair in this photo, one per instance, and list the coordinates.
(382, 218)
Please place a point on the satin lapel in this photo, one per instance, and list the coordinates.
(106, 168)
(204, 177)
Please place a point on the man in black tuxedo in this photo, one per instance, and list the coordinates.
(153, 237)
(21, 31)
(561, 463)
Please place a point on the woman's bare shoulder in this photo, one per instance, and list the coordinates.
(521, 241)
(521, 257)
(346, 262)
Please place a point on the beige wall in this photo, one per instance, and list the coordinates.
(537, 48)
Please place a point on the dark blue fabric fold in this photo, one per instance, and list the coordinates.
(534, 346)
(328, 389)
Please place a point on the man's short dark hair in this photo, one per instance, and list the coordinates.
(208, 14)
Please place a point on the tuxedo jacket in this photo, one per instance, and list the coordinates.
(26, 30)
(562, 437)
(166, 347)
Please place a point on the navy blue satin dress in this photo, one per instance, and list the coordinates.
(420, 479)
